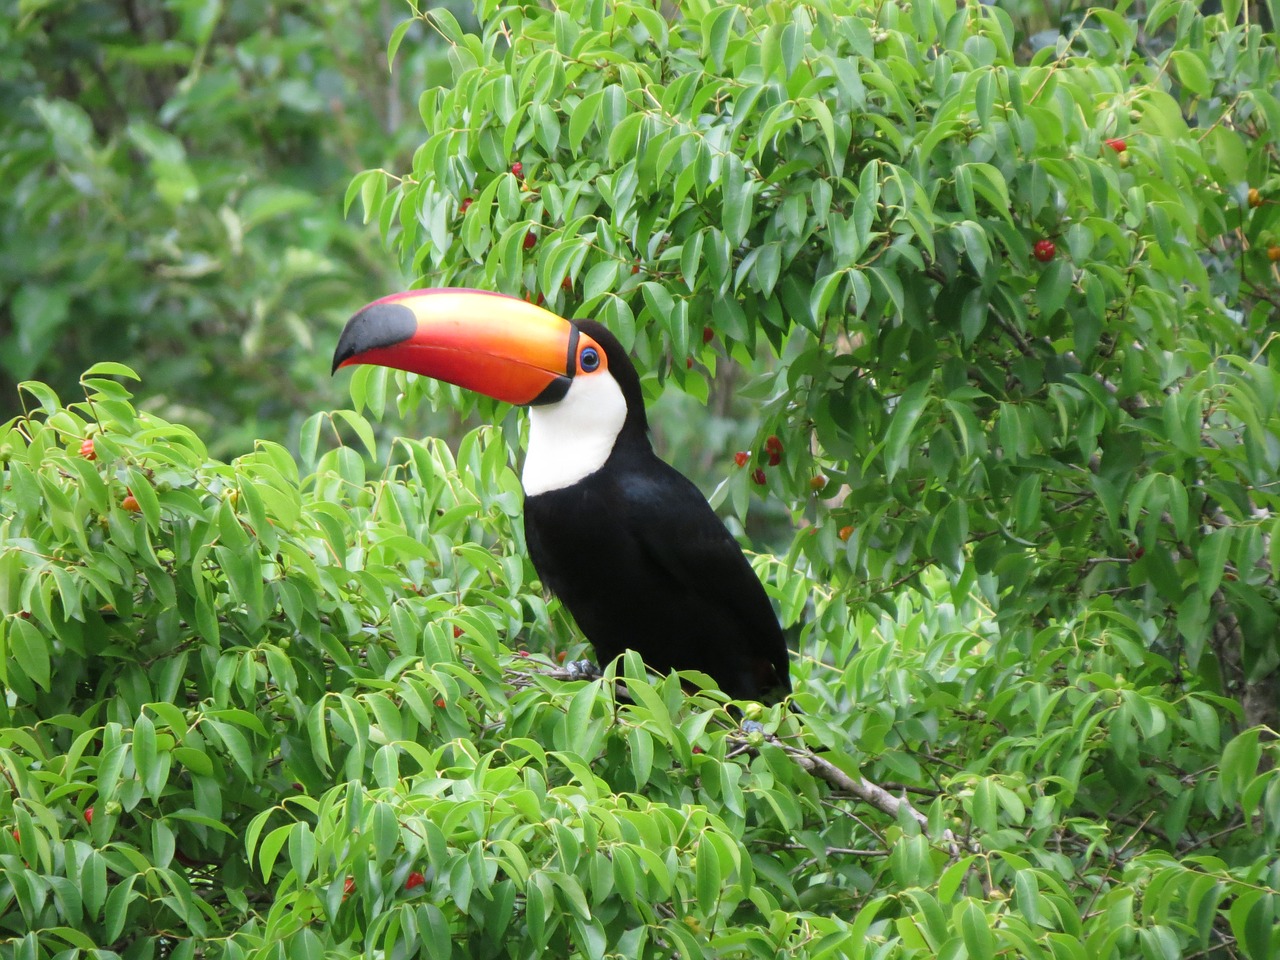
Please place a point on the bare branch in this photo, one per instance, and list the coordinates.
(865, 790)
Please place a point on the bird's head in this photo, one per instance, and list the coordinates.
(575, 375)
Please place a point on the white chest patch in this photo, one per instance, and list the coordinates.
(572, 439)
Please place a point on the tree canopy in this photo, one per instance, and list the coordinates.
(999, 302)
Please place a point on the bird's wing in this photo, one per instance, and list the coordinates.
(671, 521)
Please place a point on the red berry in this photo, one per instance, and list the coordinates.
(1044, 250)
(775, 459)
(348, 887)
(845, 533)
(297, 786)
(560, 657)
(86, 449)
(530, 239)
(1117, 144)
(566, 284)
(17, 837)
(457, 632)
(697, 750)
(415, 880)
(131, 504)
(758, 476)
(817, 482)
(635, 268)
(440, 702)
(688, 363)
(88, 815)
(464, 207)
(1137, 553)
(741, 458)
(522, 653)
(708, 334)
(773, 445)
(518, 168)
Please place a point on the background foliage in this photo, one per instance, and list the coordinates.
(1008, 307)
(156, 157)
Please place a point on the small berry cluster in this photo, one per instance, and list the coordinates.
(773, 454)
(411, 882)
(130, 502)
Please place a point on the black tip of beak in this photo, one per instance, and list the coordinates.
(377, 325)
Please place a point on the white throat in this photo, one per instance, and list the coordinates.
(572, 438)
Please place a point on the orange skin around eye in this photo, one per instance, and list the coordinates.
(602, 365)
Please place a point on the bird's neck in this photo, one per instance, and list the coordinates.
(572, 439)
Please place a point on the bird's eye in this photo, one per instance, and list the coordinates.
(589, 359)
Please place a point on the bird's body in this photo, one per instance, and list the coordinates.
(630, 545)
(656, 571)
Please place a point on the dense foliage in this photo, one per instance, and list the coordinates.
(1008, 313)
(156, 157)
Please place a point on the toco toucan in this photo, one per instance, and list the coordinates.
(629, 544)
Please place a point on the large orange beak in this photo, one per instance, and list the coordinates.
(501, 346)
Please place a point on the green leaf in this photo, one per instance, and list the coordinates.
(373, 189)
(444, 20)
(1211, 559)
(142, 490)
(270, 849)
(93, 883)
(1191, 72)
(116, 913)
(586, 113)
(1239, 763)
(317, 735)
(236, 744)
(362, 430)
(624, 138)
(397, 37)
(975, 930)
(109, 368)
(43, 394)
(985, 802)
(991, 185)
(737, 192)
(708, 877)
(716, 28)
(906, 413)
(822, 113)
(824, 292)
(30, 651)
(1053, 286)
(1252, 923)
(144, 754)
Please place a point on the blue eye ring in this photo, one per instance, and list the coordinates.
(589, 359)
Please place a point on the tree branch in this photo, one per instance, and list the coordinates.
(866, 791)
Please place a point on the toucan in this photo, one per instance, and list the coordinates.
(628, 543)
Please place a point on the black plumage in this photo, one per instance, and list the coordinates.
(642, 562)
